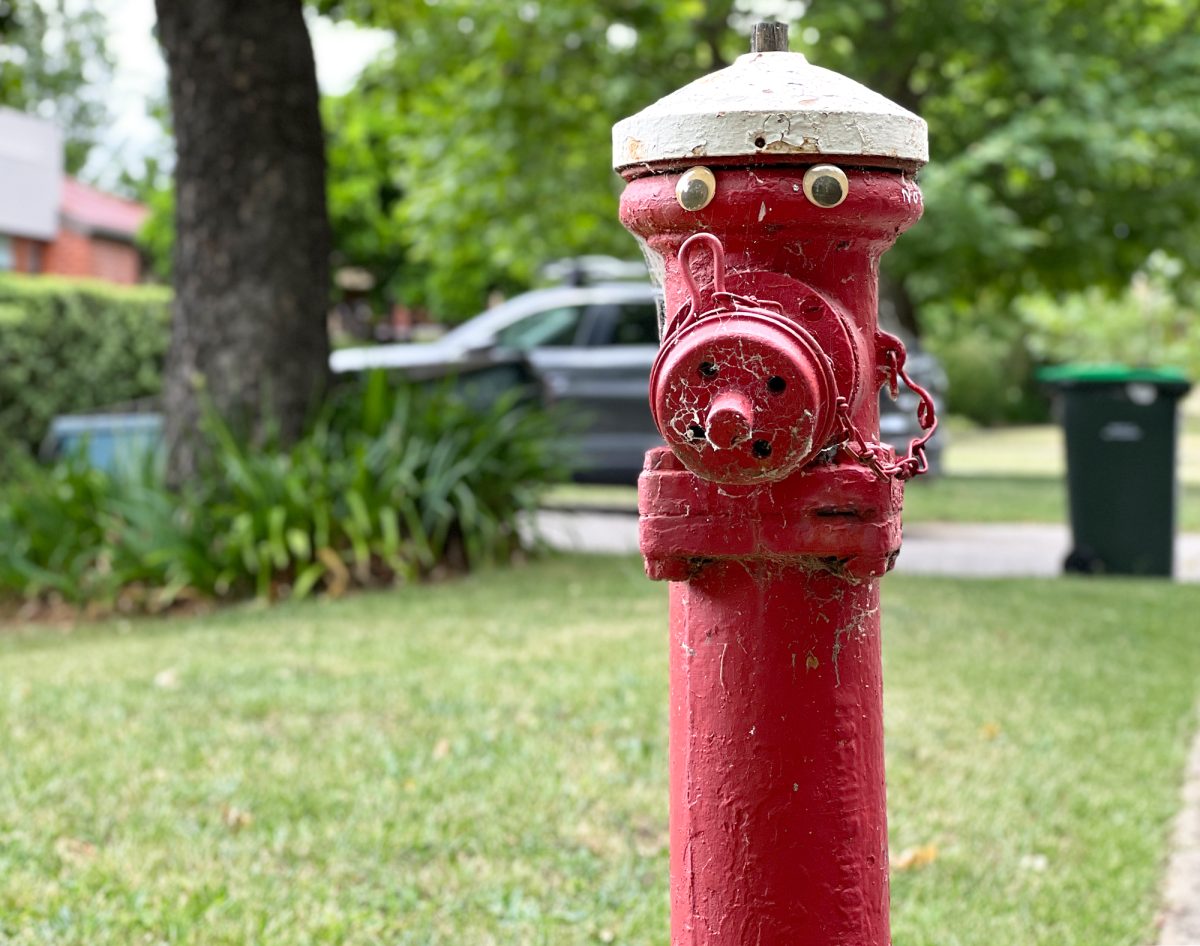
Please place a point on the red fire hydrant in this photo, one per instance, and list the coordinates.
(764, 195)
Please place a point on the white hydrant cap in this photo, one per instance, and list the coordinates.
(772, 103)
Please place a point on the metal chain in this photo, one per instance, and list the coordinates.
(875, 455)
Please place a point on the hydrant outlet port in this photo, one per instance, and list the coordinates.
(744, 397)
(730, 419)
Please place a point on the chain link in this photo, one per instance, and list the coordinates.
(876, 456)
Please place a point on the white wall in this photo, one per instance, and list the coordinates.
(31, 155)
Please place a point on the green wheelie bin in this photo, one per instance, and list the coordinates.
(1120, 426)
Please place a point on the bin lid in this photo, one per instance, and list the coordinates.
(1167, 379)
(72, 425)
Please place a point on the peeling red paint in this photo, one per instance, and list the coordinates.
(778, 820)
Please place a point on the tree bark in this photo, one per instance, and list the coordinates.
(252, 246)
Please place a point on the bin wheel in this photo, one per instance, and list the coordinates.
(1083, 561)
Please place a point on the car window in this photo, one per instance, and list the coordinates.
(551, 327)
(629, 323)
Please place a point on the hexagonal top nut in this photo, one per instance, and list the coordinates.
(776, 104)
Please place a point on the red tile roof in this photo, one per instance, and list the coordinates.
(92, 209)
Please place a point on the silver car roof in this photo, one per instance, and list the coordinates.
(482, 329)
(488, 324)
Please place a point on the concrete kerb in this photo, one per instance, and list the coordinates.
(982, 550)
(1180, 916)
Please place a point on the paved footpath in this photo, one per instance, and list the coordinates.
(1181, 899)
(985, 550)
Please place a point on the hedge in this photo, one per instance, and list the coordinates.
(74, 345)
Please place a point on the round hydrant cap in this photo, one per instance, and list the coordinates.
(771, 103)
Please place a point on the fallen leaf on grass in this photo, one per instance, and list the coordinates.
(74, 851)
(1034, 862)
(236, 818)
(915, 857)
(167, 679)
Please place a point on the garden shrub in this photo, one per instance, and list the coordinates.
(1151, 323)
(74, 345)
(391, 483)
(990, 378)
(990, 368)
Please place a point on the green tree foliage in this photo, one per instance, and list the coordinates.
(1064, 135)
(364, 190)
(53, 61)
(154, 186)
(485, 135)
(1151, 323)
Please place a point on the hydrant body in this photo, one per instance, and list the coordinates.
(764, 196)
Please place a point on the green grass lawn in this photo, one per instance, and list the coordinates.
(950, 498)
(484, 762)
(978, 498)
(1009, 474)
(1037, 450)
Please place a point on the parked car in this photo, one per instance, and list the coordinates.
(592, 348)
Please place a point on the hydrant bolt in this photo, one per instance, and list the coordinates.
(730, 420)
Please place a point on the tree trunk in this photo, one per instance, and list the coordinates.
(252, 231)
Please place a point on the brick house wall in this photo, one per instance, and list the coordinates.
(69, 254)
(116, 262)
(77, 255)
(27, 255)
(89, 247)
(91, 257)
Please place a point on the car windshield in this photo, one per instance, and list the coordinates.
(543, 317)
(482, 329)
(551, 327)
